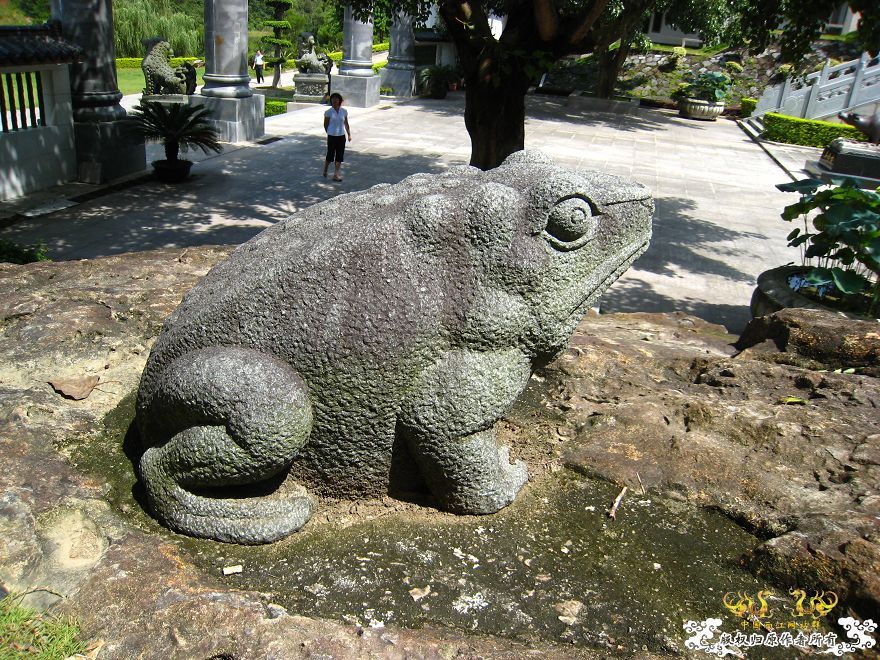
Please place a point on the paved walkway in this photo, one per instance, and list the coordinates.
(716, 227)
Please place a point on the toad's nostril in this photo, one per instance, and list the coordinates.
(571, 219)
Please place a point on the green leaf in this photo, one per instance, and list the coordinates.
(849, 281)
(802, 186)
(793, 234)
(819, 276)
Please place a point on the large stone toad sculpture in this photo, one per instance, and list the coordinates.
(372, 341)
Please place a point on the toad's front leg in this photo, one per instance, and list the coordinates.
(449, 426)
(220, 418)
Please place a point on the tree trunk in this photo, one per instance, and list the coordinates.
(276, 75)
(494, 116)
(610, 63)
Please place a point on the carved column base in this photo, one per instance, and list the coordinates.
(358, 91)
(237, 120)
(402, 81)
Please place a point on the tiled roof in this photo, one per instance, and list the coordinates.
(35, 44)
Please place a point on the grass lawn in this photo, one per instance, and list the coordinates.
(131, 81)
(25, 633)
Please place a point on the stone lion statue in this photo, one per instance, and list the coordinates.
(160, 77)
(311, 62)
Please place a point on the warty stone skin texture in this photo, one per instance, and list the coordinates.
(369, 343)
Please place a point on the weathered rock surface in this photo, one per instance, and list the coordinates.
(660, 401)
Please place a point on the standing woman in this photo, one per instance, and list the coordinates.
(336, 125)
(258, 66)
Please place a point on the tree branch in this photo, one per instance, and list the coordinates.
(469, 28)
(546, 19)
(586, 23)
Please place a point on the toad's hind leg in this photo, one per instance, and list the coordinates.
(218, 421)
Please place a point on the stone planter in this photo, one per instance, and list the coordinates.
(773, 293)
(172, 171)
(696, 109)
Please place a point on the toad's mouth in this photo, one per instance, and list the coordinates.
(612, 269)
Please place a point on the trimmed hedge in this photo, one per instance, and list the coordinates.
(747, 106)
(275, 107)
(378, 66)
(135, 62)
(806, 132)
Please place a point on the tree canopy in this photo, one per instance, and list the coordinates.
(498, 71)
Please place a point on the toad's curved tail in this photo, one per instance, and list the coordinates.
(221, 428)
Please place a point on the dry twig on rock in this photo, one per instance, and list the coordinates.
(612, 512)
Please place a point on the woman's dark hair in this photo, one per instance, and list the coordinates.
(337, 95)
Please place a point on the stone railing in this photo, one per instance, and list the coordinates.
(825, 93)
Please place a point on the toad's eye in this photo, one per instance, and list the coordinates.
(571, 222)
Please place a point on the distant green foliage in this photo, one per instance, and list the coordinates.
(136, 20)
(378, 66)
(747, 107)
(806, 132)
(15, 253)
(26, 633)
(36, 10)
(275, 107)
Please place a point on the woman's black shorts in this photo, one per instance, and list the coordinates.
(335, 148)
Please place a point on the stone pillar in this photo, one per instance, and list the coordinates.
(400, 72)
(104, 150)
(237, 113)
(356, 81)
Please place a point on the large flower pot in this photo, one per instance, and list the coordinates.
(172, 171)
(773, 292)
(696, 109)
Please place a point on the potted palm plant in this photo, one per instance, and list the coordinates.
(434, 80)
(178, 126)
(840, 247)
(702, 95)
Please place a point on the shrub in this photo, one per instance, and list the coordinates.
(274, 107)
(806, 132)
(135, 62)
(733, 67)
(378, 66)
(381, 47)
(15, 253)
(747, 107)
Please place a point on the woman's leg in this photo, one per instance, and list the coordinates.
(340, 156)
(331, 153)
